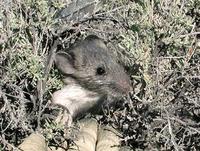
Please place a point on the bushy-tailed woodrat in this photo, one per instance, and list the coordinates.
(91, 74)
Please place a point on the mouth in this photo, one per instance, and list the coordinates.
(115, 92)
(121, 89)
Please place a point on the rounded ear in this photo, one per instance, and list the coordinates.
(92, 37)
(96, 41)
(65, 62)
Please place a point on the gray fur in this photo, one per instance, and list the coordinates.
(81, 63)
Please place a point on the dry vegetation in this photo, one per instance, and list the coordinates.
(159, 43)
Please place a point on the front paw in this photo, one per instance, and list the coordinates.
(64, 118)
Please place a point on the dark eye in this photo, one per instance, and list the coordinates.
(100, 71)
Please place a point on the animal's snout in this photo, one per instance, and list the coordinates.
(126, 86)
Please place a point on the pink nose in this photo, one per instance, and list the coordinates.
(126, 86)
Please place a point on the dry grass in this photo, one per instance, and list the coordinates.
(158, 41)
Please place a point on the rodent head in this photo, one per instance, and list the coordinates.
(92, 65)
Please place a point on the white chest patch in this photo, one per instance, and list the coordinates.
(74, 97)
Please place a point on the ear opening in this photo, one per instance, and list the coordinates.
(65, 62)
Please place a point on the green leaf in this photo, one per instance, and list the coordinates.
(135, 28)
